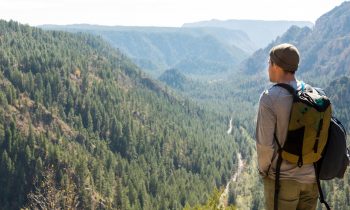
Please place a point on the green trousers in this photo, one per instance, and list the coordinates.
(292, 196)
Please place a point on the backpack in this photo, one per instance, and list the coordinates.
(309, 121)
(307, 135)
(336, 157)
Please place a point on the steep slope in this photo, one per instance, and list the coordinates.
(339, 92)
(82, 128)
(325, 50)
(257, 63)
(191, 51)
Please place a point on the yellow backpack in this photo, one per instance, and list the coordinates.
(307, 135)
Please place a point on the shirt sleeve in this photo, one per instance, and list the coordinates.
(265, 128)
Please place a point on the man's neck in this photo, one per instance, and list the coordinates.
(286, 78)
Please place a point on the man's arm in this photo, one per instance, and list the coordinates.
(265, 128)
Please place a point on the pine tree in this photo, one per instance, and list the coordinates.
(48, 95)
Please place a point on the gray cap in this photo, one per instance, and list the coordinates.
(286, 56)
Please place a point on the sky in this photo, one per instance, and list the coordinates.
(172, 13)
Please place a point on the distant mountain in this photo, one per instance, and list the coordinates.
(191, 51)
(325, 50)
(260, 32)
(257, 63)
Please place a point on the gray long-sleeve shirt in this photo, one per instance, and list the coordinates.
(273, 117)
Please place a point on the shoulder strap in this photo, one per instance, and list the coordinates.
(289, 88)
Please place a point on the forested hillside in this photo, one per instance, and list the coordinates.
(339, 91)
(81, 127)
(193, 51)
(175, 79)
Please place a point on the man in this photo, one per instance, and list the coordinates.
(298, 188)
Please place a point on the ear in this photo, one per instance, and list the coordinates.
(277, 67)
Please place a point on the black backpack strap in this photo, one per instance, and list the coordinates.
(289, 88)
(277, 177)
(319, 188)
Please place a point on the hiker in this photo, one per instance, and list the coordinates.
(298, 187)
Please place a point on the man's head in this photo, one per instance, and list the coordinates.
(285, 56)
(283, 62)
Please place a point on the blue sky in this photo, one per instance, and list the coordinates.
(159, 12)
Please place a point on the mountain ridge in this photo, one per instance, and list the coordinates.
(325, 51)
(261, 32)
